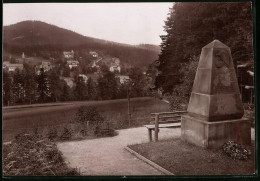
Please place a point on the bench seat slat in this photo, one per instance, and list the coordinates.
(167, 121)
(163, 117)
(164, 125)
(175, 112)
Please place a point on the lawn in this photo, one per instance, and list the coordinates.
(182, 158)
(26, 118)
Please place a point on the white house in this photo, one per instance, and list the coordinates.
(115, 65)
(94, 64)
(11, 67)
(85, 78)
(45, 65)
(123, 78)
(68, 55)
(114, 68)
(93, 54)
(69, 81)
(72, 63)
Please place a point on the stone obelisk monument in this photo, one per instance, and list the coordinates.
(215, 108)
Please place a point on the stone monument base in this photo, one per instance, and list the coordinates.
(215, 134)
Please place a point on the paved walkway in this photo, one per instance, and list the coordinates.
(107, 156)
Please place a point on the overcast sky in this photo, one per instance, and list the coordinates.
(131, 23)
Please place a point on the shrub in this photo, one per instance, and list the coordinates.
(90, 119)
(52, 134)
(31, 155)
(88, 116)
(105, 129)
(236, 151)
(179, 99)
(66, 134)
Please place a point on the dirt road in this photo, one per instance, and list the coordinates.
(107, 156)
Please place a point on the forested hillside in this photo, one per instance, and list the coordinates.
(191, 26)
(35, 37)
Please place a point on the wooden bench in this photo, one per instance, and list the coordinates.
(163, 120)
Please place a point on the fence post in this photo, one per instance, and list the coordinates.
(156, 128)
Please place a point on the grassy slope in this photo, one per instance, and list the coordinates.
(23, 118)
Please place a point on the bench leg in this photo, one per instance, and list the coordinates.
(156, 135)
(150, 134)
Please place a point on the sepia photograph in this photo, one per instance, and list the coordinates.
(128, 89)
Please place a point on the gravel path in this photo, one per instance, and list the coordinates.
(107, 156)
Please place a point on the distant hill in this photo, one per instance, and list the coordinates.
(155, 48)
(34, 36)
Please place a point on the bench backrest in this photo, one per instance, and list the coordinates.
(166, 115)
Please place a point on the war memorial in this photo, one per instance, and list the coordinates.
(215, 108)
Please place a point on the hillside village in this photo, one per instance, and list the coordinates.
(70, 77)
(72, 64)
(53, 64)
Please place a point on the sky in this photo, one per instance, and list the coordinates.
(131, 23)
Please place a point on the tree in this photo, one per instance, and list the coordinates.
(104, 68)
(55, 85)
(179, 98)
(190, 26)
(7, 88)
(30, 84)
(137, 82)
(88, 116)
(123, 88)
(91, 89)
(65, 95)
(107, 86)
(43, 87)
(80, 90)
(18, 86)
(13, 60)
(66, 71)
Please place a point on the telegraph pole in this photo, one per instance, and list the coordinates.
(128, 100)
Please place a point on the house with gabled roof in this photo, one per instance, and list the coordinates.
(115, 65)
(10, 67)
(72, 63)
(47, 66)
(123, 78)
(69, 54)
(84, 77)
(93, 54)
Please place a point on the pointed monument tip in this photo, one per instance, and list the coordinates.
(216, 44)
